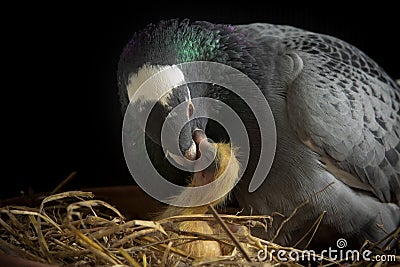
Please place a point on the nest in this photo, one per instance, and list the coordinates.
(74, 229)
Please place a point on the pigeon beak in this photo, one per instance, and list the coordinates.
(200, 139)
(193, 152)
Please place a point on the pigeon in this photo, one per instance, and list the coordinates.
(336, 170)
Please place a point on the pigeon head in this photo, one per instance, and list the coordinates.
(157, 50)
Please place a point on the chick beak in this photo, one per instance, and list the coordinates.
(191, 153)
(200, 143)
(207, 175)
(199, 136)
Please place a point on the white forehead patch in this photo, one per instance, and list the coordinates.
(158, 85)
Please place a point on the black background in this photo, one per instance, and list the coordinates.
(60, 105)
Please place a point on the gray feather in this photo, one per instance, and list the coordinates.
(349, 108)
(345, 103)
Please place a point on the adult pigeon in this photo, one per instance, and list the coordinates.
(337, 116)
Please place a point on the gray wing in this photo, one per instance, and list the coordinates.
(346, 105)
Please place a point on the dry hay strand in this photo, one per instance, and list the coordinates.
(74, 229)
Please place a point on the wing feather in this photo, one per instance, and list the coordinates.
(346, 104)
